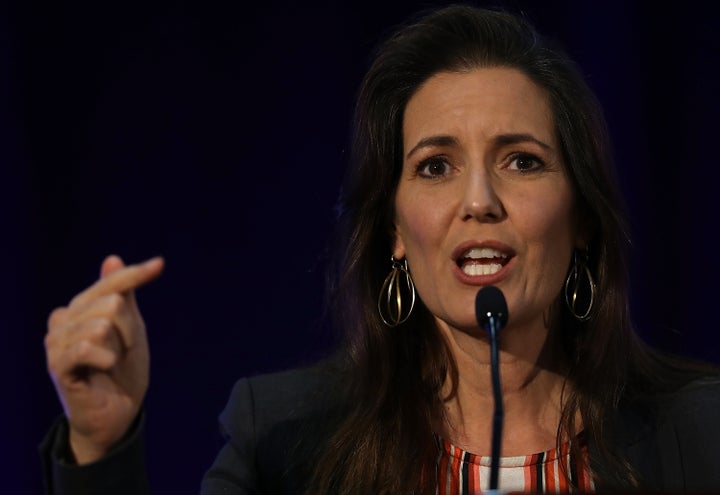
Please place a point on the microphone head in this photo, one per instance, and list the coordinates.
(490, 302)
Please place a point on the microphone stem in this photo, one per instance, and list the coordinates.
(497, 396)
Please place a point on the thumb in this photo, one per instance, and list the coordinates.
(111, 264)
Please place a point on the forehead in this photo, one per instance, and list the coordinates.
(493, 99)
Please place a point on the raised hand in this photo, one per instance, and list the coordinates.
(98, 357)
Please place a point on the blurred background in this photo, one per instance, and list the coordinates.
(215, 133)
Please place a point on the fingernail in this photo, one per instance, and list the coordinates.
(153, 261)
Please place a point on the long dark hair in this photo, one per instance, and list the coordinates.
(385, 441)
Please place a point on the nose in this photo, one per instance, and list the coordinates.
(480, 200)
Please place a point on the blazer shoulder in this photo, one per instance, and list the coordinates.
(258, 402)
(276, 422)
(697, 397)
(687, 438)
(692, 413)
(672, 440)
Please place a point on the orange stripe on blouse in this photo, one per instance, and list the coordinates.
(463, 473)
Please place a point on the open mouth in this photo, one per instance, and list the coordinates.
(482, 261)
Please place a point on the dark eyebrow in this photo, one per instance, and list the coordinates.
(501, 140)
(506, 139)
(432, 141)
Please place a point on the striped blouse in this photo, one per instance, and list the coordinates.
(463, 473)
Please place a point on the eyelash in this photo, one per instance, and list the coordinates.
(422, 167)
(539, 164)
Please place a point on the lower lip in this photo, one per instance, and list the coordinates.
(484, 279)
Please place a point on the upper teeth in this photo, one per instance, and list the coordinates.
(484, 252)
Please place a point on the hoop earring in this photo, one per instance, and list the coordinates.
(392, 293)
(579, 275)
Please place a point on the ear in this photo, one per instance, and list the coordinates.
(582, 241)
(584, 230)
(398, 250)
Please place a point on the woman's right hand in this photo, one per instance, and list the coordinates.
(98, 357)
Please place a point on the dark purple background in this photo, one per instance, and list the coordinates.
(215, 135)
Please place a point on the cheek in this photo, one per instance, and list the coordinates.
(419, 227)
(549, 231)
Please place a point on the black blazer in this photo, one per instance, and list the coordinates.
(272, 423)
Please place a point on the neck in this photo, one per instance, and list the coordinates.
(532, 377)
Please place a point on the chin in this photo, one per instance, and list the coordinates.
(464, 323)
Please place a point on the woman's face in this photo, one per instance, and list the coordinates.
(483, 198)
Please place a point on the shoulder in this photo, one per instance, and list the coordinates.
(697, 400)
(277, 422)
(689, 433)
(691, 415)
(262, 401)
(676, 441)
(273, 425)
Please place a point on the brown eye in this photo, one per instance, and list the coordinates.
(433, 167)
(524, 162)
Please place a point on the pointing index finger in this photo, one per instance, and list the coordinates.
(123, 280)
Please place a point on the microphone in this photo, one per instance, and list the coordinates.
(492, 314)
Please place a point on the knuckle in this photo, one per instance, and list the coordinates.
(103, 330)
(77, 300)
(56, 316)
(115, 302)
(49, 341)
(100, 327)
(82, 350)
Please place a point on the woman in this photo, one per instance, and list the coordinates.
(480, 158)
